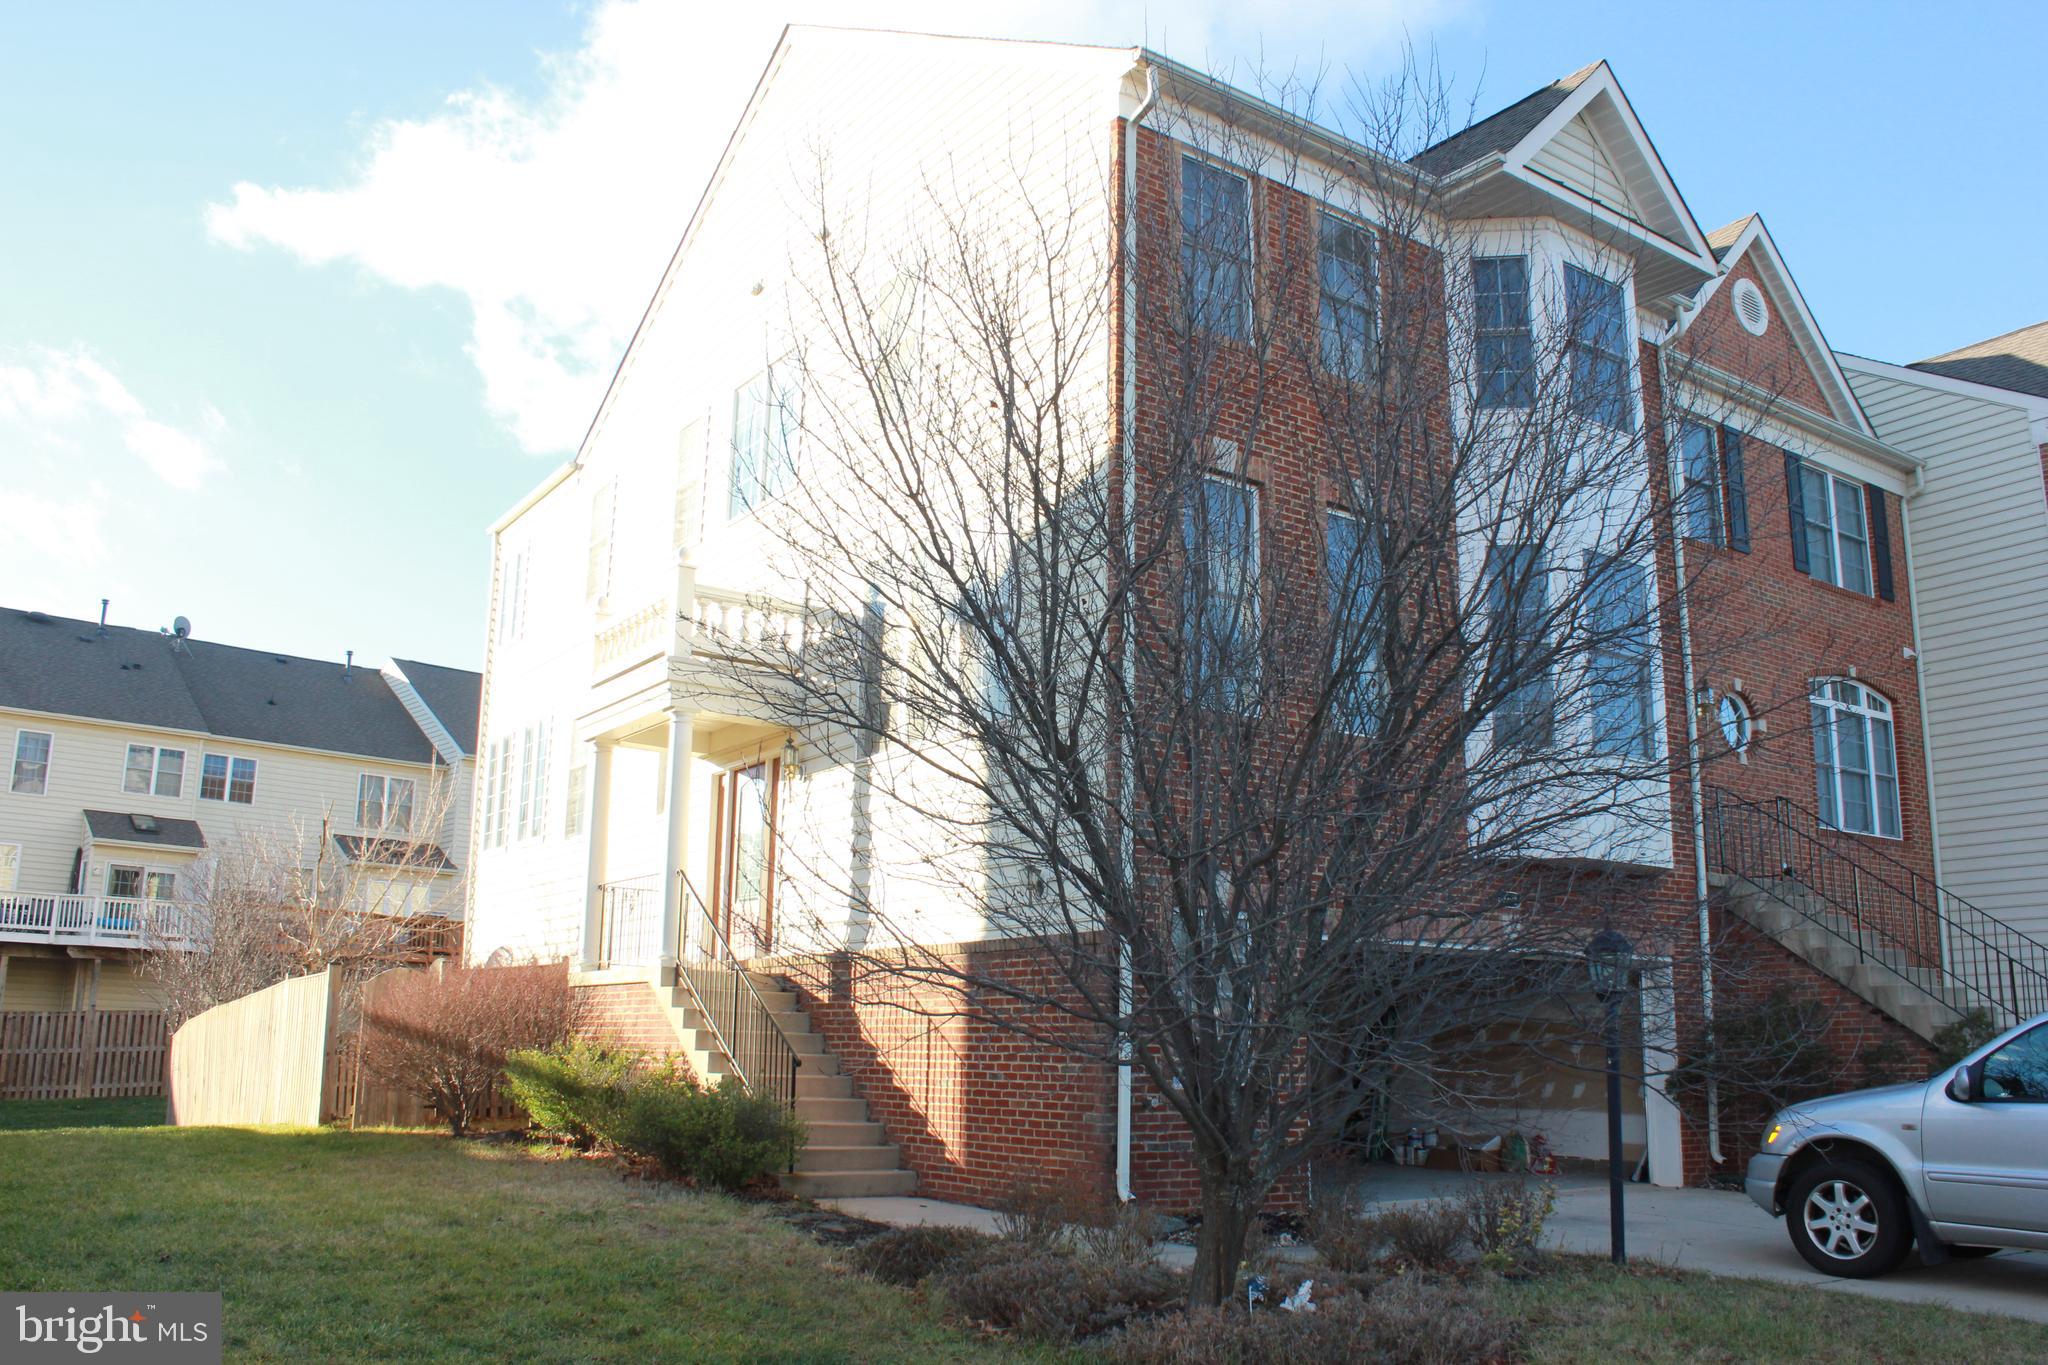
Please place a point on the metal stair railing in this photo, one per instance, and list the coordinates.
(1982, 962)
(759, 1052)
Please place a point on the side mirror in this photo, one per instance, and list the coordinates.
(1962, 1087)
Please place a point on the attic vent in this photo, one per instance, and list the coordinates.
(1750, 309)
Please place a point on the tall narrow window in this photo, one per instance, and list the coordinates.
(572, 808)
(541, 749)
(1596, 324)
(1345, 267)
(1351, 563)
(1619, 645)
(242, 781)
(597, 577)
(1503, 345)
(1832, 537)
(1517, 601)
(31, 763)
(511, 595)
(1855, 765)
(1215, 248)
(525, 782)
(1700, 463)
(765, 423)
(140, 771)
(1220, 613)
(369, 801)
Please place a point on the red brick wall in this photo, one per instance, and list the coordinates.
(626, 1014)
(1772, 362)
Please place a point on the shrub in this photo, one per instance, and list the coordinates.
(1953, 1042)
(572, 1089)
(1346, 1235)
(1428, 1236)
(722, 1136)
(909, 1256)
(1504, 1220)
(1116, 1234)
(1059, 1298)
(443, 1034)
(1406, 1321)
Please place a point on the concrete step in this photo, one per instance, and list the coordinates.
(849, 1184)
(845, 1132)
(792, 1022)
(779, 1002)
(867, 1157)
(806, 1044)
(815, 1084)
(819, 1110)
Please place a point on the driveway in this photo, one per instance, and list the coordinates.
(1721, 1232)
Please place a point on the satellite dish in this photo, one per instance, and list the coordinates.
(182, 627)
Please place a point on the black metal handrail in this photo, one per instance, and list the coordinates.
(629, 922)
(1982, 962)
(759, 1052)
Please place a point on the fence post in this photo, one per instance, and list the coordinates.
(87, 1056)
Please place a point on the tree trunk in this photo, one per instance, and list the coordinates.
(1227, 1211)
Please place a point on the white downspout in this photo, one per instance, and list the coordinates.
(1129, 319)
(1692, 767)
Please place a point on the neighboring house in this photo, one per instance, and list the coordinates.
(1977, 418)
(625, 781)
(139, 760)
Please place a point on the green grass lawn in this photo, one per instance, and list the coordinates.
(135, 1113)
(330, 1245)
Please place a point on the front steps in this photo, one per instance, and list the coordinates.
(848, 1155)
(1916, 997)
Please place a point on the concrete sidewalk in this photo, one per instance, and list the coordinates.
(1715, 1231)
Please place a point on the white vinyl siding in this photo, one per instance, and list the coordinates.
(1574, 158)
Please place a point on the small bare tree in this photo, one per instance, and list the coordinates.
(443, 1033)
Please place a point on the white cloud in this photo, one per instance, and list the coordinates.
(57, 403)
(553, 216)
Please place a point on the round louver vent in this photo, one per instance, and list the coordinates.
(1750, 309)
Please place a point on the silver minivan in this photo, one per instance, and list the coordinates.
(1958, 1164)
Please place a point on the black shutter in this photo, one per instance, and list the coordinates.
(1795, 503)
(1737, 492)
(1880, 539)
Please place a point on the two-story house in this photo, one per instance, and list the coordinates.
(139, 761)
(633, 781)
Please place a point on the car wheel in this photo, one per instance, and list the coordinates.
(1847, 1218)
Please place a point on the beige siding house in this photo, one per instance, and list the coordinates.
(137, 761)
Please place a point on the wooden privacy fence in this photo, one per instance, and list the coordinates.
(260, 1059)
(81, 1054)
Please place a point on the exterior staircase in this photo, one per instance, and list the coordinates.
(847, 1155)
(1922, 955)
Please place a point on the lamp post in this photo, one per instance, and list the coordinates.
(1609, 956)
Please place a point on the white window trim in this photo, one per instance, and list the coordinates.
(1834, 576)
(49, 761)
(226, 797)
(1820, 693)
(12, 866)
(156, 771)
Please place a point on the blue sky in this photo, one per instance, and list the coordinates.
(294, 302)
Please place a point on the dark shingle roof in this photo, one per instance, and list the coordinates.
(454, 695)
(1498, 132)
(2017, 361)
(394, 852)
(1723, 238)
(137, 677)
(169, 831)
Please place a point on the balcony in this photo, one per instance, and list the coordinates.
(711, 623)
(94, 921)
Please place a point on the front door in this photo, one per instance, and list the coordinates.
(1987, 1161)
(746, 857)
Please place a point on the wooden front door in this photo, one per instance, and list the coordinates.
(745, 880)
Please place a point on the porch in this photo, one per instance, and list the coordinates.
(94, 921)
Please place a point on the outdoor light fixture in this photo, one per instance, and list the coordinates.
(1609, 959)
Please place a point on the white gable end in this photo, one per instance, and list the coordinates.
(1575, 159)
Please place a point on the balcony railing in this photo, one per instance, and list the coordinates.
(629, 923)
(719, 622)
(95, 921)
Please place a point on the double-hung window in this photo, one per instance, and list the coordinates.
(1351, 562)
(153, 772)
(384, 803)
(1517, 603)
(765, 423)
(124, 882)
(1856, 769)
(1220, 614)
(31, 763)
(1504, 347)
(1700, 464)
(1596, 324)
(223, 777)
(1832, 534)
(1619, 645)
(597, 577)
(511, 595)
(1346, 314)
(1215, 248)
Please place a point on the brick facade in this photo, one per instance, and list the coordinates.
(625, 1014)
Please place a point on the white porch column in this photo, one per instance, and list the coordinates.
(1665, 1138)
(598, 817)
(682, 739)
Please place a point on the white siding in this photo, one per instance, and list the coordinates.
(1979, 563)
(1574, 158)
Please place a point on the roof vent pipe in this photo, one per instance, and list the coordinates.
(103, 616)
(350, 664)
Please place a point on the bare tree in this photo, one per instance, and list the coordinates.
(1256, 606)
(443, 1034)
(269, 904)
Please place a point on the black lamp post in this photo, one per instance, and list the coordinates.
(1608, 959)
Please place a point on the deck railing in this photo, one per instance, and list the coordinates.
(629, 923)
(95, 921)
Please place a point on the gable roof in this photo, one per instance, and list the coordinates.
(1502, 131)
(454, 695)
(65, 667)
(2016, 360)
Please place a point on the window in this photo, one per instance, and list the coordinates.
(2018, 1072)
(512, 597)
(1596, 325)
(598, 574)
(689, 469)
(1345, 266)
(224, 778)
(124, 883)
(1737, 725)
(541, 749)
(10, 866)
(764, 430)
(1351, 561)
(494, 795)
(1830, 536)
(154, 771)
(1618, 657)
(160, 886)
(525, 780)
(1713, 504)
(572, 808)
(394, 896)
(31, 763)
(1504, 346)
(1856, 770)
(1215, 248)
(1220, 616)
(1517, 600)
(384, 802)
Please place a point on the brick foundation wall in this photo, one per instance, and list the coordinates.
(625, 1014)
